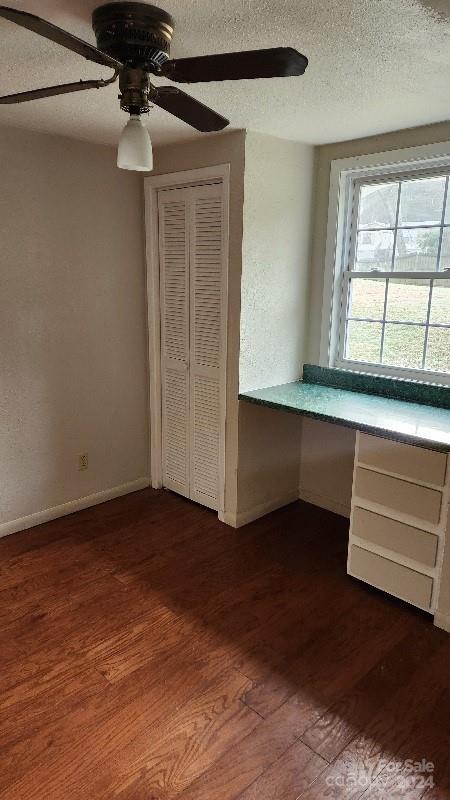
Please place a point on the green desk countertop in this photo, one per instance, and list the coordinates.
(413, 423)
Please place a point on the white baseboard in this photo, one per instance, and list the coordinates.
(237, 520)
(442, 620)
(324, 501)
(31, 520)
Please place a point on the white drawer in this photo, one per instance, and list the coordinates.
(391, 577)
(411, 462)
(396, 536)
(401, 496)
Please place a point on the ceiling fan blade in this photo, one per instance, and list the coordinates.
(58, 35)
(51, 91)
(276, 62)
(188, 109)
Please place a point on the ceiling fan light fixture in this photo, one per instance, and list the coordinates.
(135, 147)
(133, 39)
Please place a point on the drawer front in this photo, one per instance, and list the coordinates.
(412, 462)
(398, 495)
(391, 577)
(403, 539)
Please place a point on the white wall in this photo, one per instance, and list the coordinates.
(72, 324)
(274, 296)
(275, 260)
(331, 485)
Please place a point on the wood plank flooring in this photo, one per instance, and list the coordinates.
(148, 652)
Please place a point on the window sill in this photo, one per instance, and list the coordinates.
(411, 391)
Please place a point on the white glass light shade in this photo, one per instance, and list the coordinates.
(135, 147)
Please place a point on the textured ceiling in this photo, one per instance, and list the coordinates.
(375, 66)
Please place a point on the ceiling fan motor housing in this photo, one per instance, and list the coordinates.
(137, 34)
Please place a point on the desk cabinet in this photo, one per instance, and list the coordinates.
(417, 463)
(399, 518)
(398, 496)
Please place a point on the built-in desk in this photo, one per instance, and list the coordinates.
(399, 520)
(414, 423)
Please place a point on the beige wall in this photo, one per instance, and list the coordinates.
(208, 151)
(326, 465)
(72, 324)
(334, 486)
(275, 265)
(269, 461)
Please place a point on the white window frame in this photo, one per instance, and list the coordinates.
(345, 178)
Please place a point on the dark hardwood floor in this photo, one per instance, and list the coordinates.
(149, 652)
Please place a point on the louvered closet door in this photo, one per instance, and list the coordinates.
(207, 276)
(173, 210)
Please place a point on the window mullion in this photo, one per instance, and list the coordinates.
(397, 212)
(424, 276)
(345, 299)
(349, 261)
(427, 324)
(383, 328)
(394, 248)
(441, 232)
(352, 243)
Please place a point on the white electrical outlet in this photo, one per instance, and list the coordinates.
(83, 461)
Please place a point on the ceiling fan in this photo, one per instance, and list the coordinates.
(134, 40)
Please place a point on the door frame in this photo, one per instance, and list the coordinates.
(219, 173)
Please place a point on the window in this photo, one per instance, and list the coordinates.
(391, 289)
